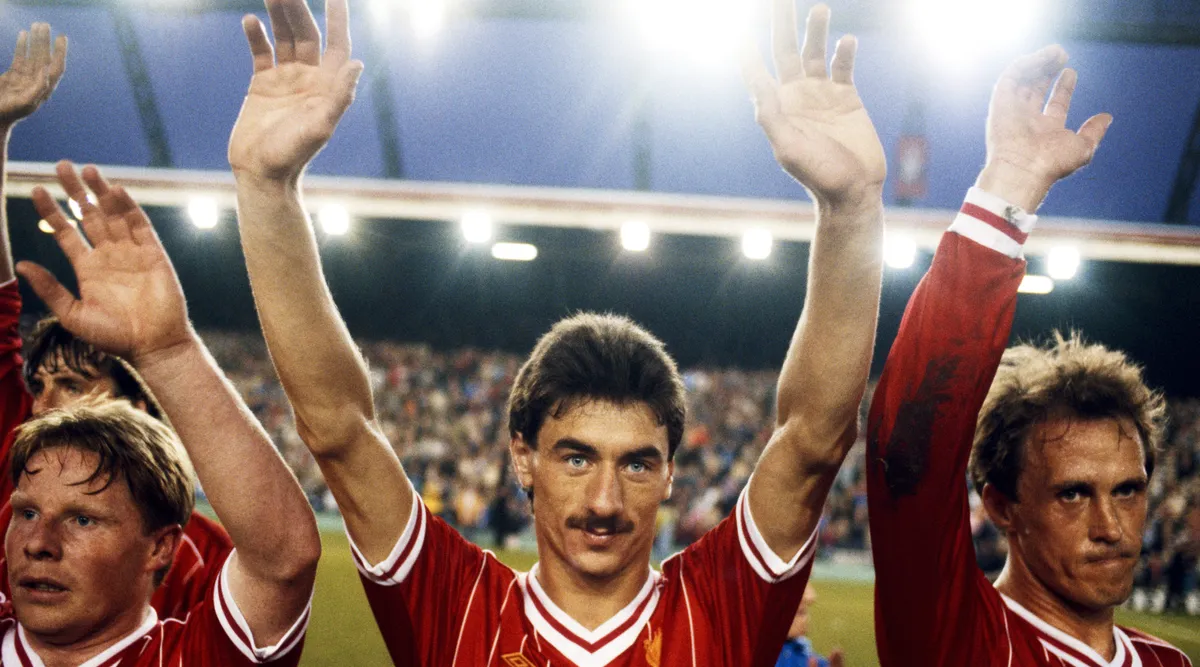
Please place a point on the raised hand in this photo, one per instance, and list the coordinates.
(812, 114)
(37, 66)
(1029, 146)
(130, 302)
(297, 94)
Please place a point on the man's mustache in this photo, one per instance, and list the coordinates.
(602, 525)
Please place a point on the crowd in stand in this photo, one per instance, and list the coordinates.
(445, 414)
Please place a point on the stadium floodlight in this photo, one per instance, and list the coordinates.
(960, 32)
(635, 236)
(477, 227)
(204, 212)
(76, 209)
(427, 17)
(757, 244)
(515, 252)
(334, 219)
(1062, 262)
(899, 251)
(1034, 284)
(708, 31)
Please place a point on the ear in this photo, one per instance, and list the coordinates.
(166, 541)
(670, 480)
(1000, 508)
(522, 458)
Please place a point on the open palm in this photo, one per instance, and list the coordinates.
(130, 301)
(812, 115)
(37, 66)
(297, 94)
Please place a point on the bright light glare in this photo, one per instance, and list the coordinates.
(76, 209)
(1032, 284)
(45, 226)
(381, 11)
(515, 252)
(1063, 262)
(702, 30)
(899, 251)
(477, 227)
(428, 17)
(957, 32)
(334, 219)
(757, 243)
(635, 236)
(204, 212)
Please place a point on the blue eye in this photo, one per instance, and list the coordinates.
(638, 466)
(28, 515)
(84, 521)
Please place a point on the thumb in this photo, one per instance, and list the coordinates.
(57, 298)
(1094, 129)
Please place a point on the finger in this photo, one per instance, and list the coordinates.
(112, 204)
(305, 34)
(788, 63)
(347, 84)
(285, 47)
(65, 234)
(39, 45)
(1094, 129)
(816, 42)
(337, 31)
(260, 45)
(57, 298)
(59, 64)
(19, 55)
(133, 218)
(1033, 74)
(99, 185)
(1060, 97)
(761, 84)
(843, 59)
(73, 186)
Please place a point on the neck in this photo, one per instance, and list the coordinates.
(1090, 626)
(588, 600)
(54, 652)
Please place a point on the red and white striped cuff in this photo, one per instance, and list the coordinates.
(238, 630)
(394, 569)
(765, 562)
(993, 222)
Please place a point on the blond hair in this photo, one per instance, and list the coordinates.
(1068, 376)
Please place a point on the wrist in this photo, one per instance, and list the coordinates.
(249, 181)
(1013, 184)
(860, 201)
(167, 353)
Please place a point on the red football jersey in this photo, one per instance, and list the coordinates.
(440, 601)
(205, 543)
(933, 605)
(213, 634)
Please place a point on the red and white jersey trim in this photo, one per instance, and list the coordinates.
(238, 630)
(994, 223)
(592, 648)
(395, 568)
(765, 562)
(16, 649)
(1072, 651)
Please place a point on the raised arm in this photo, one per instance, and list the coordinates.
(37, 65)
(954, 331)
(130, 304)
(822, 136)
(296, 97)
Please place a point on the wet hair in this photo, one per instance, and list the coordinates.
(604, 357)
(53, 348)
(1065, 377)
(131, 447)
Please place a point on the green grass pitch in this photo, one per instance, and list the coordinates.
(343, 634)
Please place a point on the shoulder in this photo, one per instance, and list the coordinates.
(1150, 644)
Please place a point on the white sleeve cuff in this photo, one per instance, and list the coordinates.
(238, 630)
(994, 223)
(8, 282)
(766, 562)
(395, 568)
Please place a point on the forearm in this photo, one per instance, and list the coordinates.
(318, 363)
(250, 487)
(825, 372)
(6, 257)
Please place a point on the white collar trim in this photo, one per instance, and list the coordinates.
(1120, 639)
(10, 649)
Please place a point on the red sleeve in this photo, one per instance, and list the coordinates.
(747, 593)
(15, 402)
(420, 592)
(197, 565)
(932, 603)
(217, 633)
